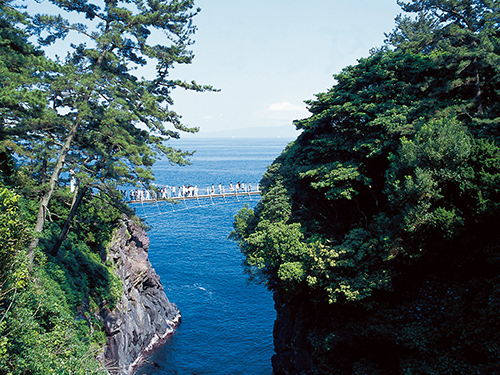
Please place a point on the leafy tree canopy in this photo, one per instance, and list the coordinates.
(87, 114)
(90, 113)
(387, 240)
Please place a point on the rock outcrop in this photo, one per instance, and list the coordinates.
(144, 316)
(291, 342)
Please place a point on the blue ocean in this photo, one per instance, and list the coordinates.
(227, 321)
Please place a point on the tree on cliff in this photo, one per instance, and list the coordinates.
(49, 309)
(386, 244)
(23, 77)
(466, 35)
(98, 101)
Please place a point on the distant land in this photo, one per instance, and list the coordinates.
(287, 131)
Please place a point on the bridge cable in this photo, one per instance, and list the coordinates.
(143, 210)
(158, 206)
(185, 208)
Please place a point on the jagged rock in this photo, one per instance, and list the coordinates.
(144, 316)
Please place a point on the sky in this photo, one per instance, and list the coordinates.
(268, 56)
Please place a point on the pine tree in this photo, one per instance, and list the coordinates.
(463, 34)
(99, 101)
(23, 74)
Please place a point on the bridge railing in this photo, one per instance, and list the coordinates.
(191, 192)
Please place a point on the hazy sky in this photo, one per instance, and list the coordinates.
(268, 56)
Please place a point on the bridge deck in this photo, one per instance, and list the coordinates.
(204, 196)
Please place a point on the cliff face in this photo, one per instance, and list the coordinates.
(291, 342)
(144, 316)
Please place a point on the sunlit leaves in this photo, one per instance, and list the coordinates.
(394, 183)
(276, 206)
(426, 170)
(336, 180)
(291, 272)
(13, 237)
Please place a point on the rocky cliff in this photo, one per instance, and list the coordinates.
(144, 316)
(291, 343)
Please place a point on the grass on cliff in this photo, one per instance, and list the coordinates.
(49, 311)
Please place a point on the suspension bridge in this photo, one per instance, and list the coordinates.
(197, 197)
(163, 203)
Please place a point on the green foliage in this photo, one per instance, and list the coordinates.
(430, 176)
(276, 206)
(13, 234)
(49, 309)
(38, 330)
(107, 100)
(461, 35)
(273, 243)
(90, 114)
(40, 333)
(81, 274)
(378, 225)
(291, 271)
(337, 180)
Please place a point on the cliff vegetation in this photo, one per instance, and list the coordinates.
(81, 118)
(378, 226)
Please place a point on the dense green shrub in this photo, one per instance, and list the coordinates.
(378, 224)
(48, 309)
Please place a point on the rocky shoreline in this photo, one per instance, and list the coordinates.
(144, 317)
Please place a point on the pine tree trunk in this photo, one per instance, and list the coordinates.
(44, 202)
(479, 92)
(44, 171)
(67, 224)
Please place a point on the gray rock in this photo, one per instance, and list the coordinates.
(144, 317)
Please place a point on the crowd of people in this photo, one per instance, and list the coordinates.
(167, 191)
